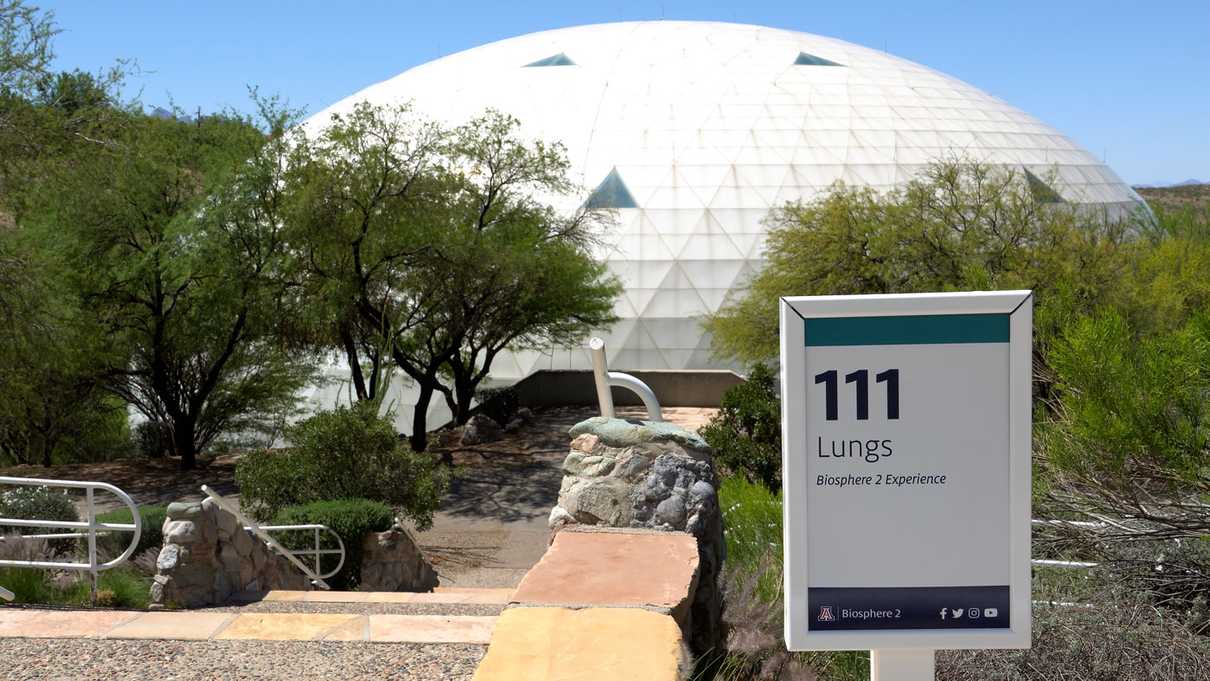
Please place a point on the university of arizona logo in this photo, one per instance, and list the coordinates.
(825, 614)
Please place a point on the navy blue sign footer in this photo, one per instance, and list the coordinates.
(927, 607)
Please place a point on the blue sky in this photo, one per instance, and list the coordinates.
(1129, 81)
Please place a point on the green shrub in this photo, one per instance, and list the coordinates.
(347, 453)
(351, 519)
(28, 586)
(151, 537)
(498, 404)
(746, 432)
(753, 612)
(121, 587)
(151, 439)
(752, 520)
(41, 503)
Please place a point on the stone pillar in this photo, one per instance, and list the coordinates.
(650, 475)
(207, 557)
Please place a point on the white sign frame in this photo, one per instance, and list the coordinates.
(795, 485)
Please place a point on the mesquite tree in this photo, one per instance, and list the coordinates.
(428, 246)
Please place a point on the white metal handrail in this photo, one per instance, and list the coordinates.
(264, 536)
(605, 379)
(315, 552)
(89, 528)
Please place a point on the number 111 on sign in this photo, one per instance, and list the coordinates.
(861, 379)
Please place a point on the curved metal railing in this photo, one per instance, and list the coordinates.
(88, 528)
(316, 552)
(275, 545)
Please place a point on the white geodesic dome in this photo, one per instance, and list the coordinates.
(693, 130)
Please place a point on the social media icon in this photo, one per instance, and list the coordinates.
(973, 613)
(991, 612)
(944, 612)
(957, 612)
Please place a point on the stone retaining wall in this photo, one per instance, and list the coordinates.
(391, 561)
(652, 475)
(207, 557)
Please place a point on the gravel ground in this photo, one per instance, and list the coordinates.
(364, 608)
(103, 660)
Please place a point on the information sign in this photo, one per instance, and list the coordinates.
(906, 470)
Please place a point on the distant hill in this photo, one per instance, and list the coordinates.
(1165, 185)
(1177, 196)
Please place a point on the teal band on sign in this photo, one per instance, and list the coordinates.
(907, 329)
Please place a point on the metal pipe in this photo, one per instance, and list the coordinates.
(91, 524)
(641, 389)
(605, 379)
(596, 348)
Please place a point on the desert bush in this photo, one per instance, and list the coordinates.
(347, 453)
(351, 519)
(121, 587)
(151, 537)
(753, 598)
(958, 225)
(1121, 639)
(152, 440)
(746, 432)
(28, 586)
(43, 503)
(498, 404)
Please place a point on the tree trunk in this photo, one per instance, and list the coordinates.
(351, 355)
(182, 444)
(464, 395)
(420, 435)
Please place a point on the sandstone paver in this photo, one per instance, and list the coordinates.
(430, 629)
(61, 623)
(195, 626)
(283, 627)
(628, 569)
(559, 644)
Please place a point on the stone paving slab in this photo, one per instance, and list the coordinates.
(282, 627)
(61, 623)
(560, 644)
(198, 626)
(619, 568)
(431, 629)
(194, 626)
(447, 596)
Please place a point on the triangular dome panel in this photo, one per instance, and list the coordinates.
(559, 59)
(611, 193)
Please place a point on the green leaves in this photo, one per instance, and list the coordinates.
(1129, 404)
(432, 248)
(342, 454)
(958, 226)
(746, 432)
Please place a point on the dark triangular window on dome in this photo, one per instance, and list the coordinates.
(1042, 192)
(805, 59)
(611, 193)
(559, 59)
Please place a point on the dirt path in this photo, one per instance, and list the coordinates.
(492, 525)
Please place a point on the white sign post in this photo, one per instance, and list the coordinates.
(906, 474)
